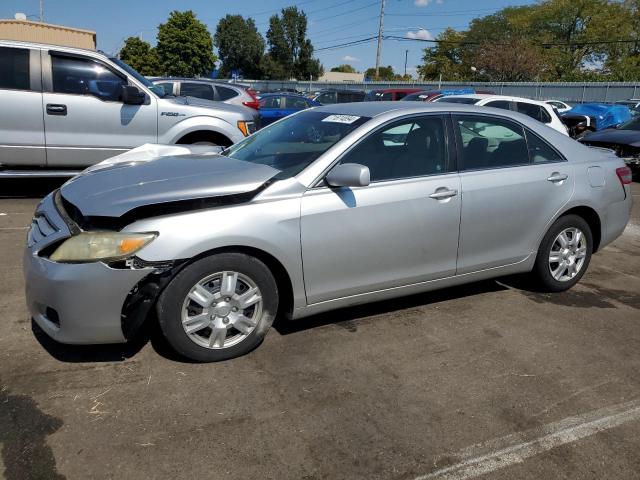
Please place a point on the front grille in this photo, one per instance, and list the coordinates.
(41, 228)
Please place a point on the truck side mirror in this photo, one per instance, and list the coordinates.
(131, 95)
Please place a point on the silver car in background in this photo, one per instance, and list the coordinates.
(66, 108)
(330, 207)
(233, 94)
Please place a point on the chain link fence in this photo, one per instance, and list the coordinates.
(574, 92)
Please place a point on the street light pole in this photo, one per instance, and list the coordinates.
(42, 11)
(380, 28)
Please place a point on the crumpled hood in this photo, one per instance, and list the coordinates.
(122, 187)
(612, 135)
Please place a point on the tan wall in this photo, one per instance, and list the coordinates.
(341, 77)
(46, 33)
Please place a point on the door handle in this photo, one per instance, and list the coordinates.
(442, 194)
(557, 177)
(56, 109)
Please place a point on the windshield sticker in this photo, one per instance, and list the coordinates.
(348, 119)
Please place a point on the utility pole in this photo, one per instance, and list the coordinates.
(380, 28)
(42, 11)
(406, 52)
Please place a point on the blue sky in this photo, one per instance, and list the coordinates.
(331, 22)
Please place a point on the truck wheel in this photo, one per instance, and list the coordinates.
(219, 307)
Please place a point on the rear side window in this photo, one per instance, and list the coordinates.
(82, 76)
(537, 112)
(270, 102)
(503, 104)
(540, 151)
(491, 142)
(225, 93)
(327, 97)
(386, 96)
(198, 90)
(14, 68)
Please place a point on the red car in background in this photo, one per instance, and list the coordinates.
(391, 94)
(432, 95)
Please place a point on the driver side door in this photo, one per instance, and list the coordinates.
(401, 229)
(85, 120)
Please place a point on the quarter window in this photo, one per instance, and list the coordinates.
(540, 151)
(14, 68)
(80, 76)
(225, 93)
(404, 149)
(198, 90)
(491, 142)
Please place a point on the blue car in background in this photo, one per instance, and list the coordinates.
(274, 106)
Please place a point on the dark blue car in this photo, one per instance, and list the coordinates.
(274, 106)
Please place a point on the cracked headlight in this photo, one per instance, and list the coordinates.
(95, 246)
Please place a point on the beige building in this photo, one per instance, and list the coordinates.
(46, 33)
(341, 77)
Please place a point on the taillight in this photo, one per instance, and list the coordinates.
(255, 104)
(624, 174)
(252, 104)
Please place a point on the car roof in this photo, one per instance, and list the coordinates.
(282, 94)
(392, 90)
(203, 80)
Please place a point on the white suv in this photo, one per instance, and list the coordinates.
(540, 111)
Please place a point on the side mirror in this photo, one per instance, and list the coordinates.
(131, 95)
(349, 175)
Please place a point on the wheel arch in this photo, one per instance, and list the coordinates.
(280, 273)
(593, 220)
(212, 136)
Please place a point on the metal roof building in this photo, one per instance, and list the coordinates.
(28, 31)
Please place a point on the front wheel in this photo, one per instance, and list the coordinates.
(219, 307)
(564, 254)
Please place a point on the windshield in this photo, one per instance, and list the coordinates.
(295, 142)
(466, 101)
(159, 91)
(633, 124)
(420, 96)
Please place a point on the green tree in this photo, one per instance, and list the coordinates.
(344, 68)
(240, 46)
(185, 47)
(141, 56)
(450, 58)
(289, 46)
(385, 73)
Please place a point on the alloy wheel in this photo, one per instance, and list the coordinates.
(568, 254)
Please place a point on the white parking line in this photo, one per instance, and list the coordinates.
(487, 457)
(14, 228)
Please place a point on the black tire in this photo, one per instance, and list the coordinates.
(541, 270)
(170, 303)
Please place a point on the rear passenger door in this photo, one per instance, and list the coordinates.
(21, 123)
(271, 109)
(513, 183)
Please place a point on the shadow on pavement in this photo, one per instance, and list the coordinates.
(28, 187)
(353, 314)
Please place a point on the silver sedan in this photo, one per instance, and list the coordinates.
(331, 207)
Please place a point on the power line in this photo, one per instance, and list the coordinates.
(338, 27)
(316, 20)
(348, 44)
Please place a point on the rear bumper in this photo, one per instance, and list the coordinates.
(616, 217)
(78, 303)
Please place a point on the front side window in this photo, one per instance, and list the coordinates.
(270, 102)
(491, 142)
(407, 148)
(14, 68)
(80, 76)
(225, 93)
(327, 98)
(198, 90)
(167, 87)
(292, 144)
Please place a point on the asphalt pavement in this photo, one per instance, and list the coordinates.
(491, 380)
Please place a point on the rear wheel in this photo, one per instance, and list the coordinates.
(564, 254)
(219, 307)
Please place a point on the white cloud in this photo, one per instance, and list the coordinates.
(424, 3)
(349, 58)
(420, 34)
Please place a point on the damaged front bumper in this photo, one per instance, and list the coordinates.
(85, 303)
